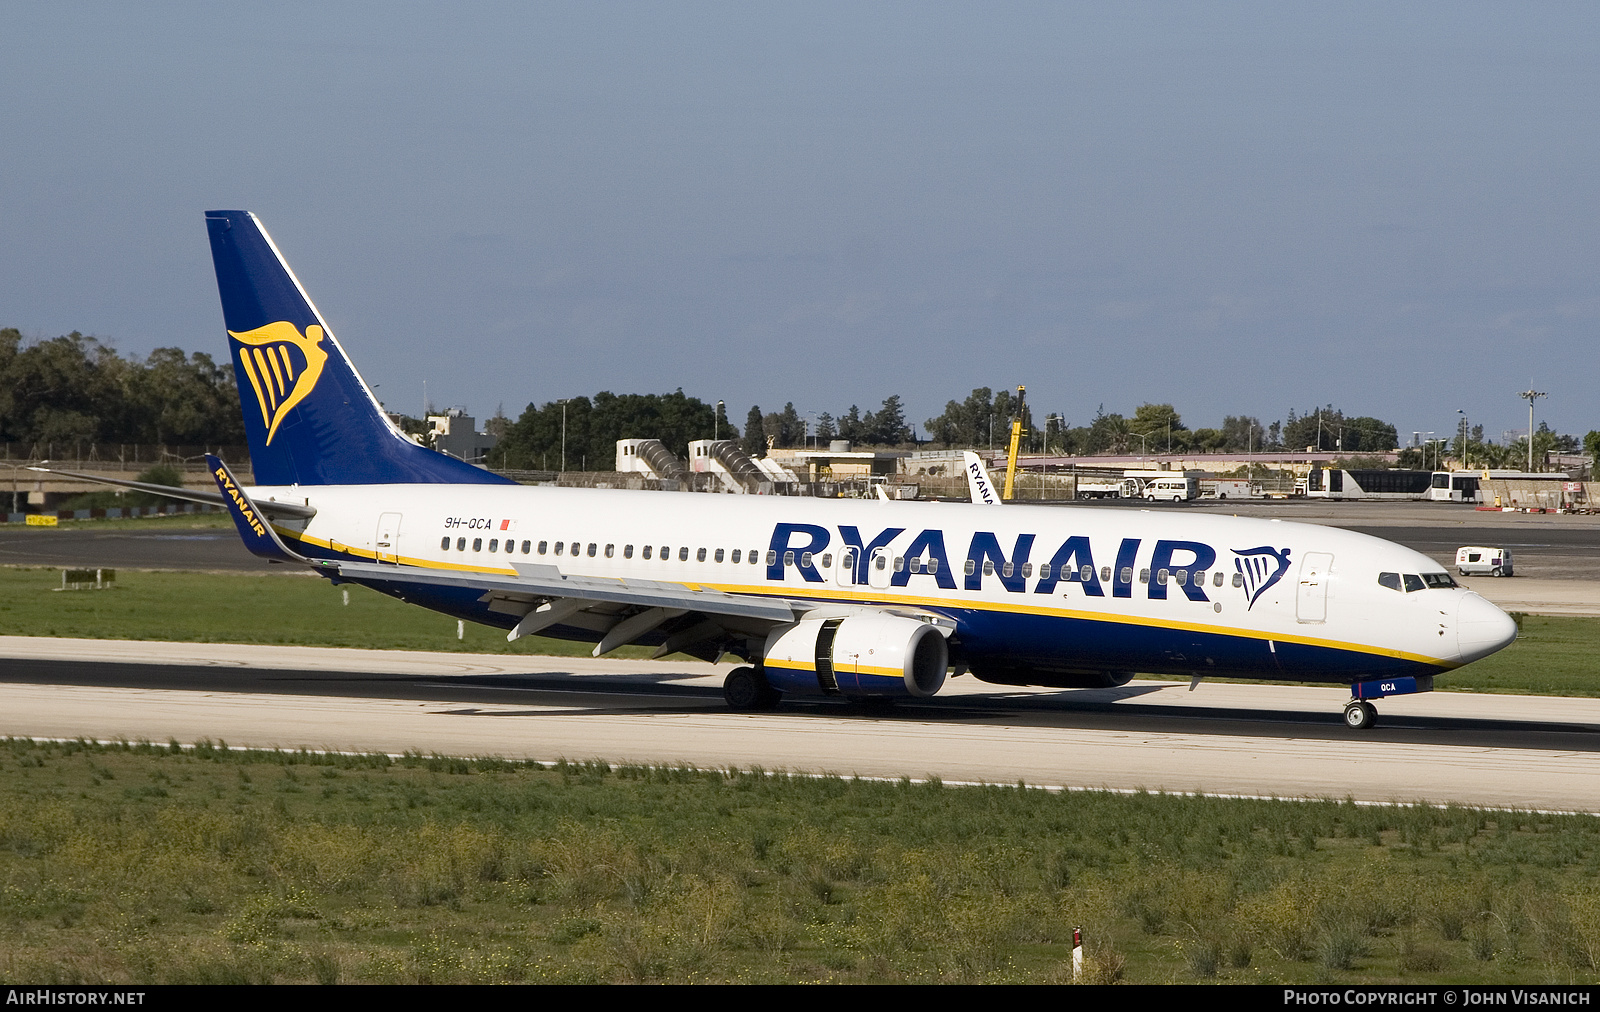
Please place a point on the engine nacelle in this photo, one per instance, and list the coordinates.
(860, 655)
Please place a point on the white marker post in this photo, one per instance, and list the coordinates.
(1077, 955)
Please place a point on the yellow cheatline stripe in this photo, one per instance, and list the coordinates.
(875, 600)
(255, 383)
(404, 560)
(836, 595)
(788, 665)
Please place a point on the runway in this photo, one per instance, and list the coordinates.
(1506, 751)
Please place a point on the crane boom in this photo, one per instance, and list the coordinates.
(1016, 443)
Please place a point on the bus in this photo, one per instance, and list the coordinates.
(1467, 486)
(1368, 483)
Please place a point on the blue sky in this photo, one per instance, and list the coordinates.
(1235, 208)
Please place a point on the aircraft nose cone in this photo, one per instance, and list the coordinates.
(1482, 628)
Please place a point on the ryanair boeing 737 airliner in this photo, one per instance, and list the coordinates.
(846, 598)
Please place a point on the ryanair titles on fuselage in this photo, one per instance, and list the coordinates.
(1187, 566)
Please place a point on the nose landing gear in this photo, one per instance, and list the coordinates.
(1359, 715)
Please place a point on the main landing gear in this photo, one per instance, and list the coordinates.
(747, 691)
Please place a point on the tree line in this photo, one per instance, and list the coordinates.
(76, 389)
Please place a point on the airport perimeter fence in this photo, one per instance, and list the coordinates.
(122, 456)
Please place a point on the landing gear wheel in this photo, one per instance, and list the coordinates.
(1360, 715)
(747, 691)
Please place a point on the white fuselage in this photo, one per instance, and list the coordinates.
(1150, 591)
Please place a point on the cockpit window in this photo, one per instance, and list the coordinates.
(1438, 580)
(1413, 582)
(1390, 580)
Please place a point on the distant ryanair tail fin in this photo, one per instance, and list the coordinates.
(309, 417)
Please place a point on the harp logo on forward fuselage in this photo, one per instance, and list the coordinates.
(283, 367)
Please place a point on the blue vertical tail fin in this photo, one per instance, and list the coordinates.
(309, 417)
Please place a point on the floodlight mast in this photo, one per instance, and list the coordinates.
(1530, 395)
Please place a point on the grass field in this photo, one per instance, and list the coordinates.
(246, 608)
(1552, 656)
(158, 864)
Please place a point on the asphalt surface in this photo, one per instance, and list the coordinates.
(98, 546)
(640, 694)
(1229, 739)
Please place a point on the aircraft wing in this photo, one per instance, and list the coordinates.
(536, 583)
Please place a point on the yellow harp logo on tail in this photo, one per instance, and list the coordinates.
(283, 366)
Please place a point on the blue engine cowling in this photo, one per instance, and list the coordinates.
(859, 655)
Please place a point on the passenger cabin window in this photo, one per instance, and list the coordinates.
(718, 556)
(683, 554)
(1105, 574)
(1044, 570)
(1216, 578)
(735, 559)
(1390, 580)
(611, 550)
(700, 556)
(755, 557)
(494, 544)
(445, 544)
(827, 560)
(592, 547)
(558, 546)
(646, 552)
(1238, 579)
(1144, 576)
(1127, 574)
(788, 558)
(461, 544)
(627, 551)
(772, 558)
(527, 546)
(477, 544)
(1087, 574)
(971, 567)
(542, 546)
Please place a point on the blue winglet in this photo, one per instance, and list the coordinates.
(257, 533)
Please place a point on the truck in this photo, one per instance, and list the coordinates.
(1477, 561)
(1230, 488)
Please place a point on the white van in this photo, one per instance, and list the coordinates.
(1179, 489)
(1474, 561)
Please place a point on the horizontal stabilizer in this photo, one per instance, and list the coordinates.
(276, 509)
